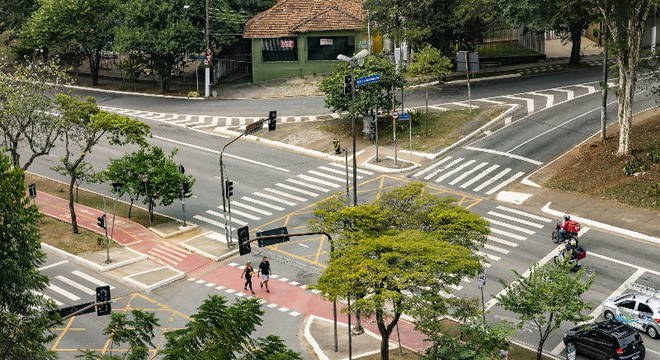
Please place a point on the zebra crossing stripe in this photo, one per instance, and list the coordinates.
(76, 285)
(465, 174)
(361, 171)
(209, 221)
(340, 172)
(288, 187)
(63, 292)
(262, 203)
(438, 170)
(479, 176)
(243, 214)
(422, 172)
(522, 213)
(331, 177)
(501, 241)
(318, 181)
(509, 226)
(505, 183)
(215, 213)
(515, 219)
(91, 279)
(496, 248)
(270, 197)
(487, 255)
(48, 298)
(282, 193)
(506, 233)
(311, 186)
(252, 208)
(530, 102)
(450, 173)
(550, 99)
(492, 179)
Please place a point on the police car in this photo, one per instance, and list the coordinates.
(639, 309)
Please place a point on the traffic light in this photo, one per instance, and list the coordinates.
(229, 188)
(272, 120)
(244, 241)
(185, 187)
(102, 295)
(336, 143)
(101, 221)
(348, 84)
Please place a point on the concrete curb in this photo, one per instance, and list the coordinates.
(86, 88)
(386, 170)
(186, 229)
(99, 268)
(155, 285)
(546, 209)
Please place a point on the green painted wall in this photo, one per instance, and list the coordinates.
(262, 71)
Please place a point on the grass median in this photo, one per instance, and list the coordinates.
(58, 233)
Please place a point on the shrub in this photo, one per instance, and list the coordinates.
(193, 94)
(634, 166)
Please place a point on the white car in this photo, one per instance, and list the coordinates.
(637, 310)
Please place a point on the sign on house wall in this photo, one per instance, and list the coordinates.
(326, 42)
(287, 44)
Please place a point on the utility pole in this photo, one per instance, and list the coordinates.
(654, 29)
(603, 109)
(353, 120)
(207, 70)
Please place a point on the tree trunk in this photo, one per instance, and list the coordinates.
(426, 122)
(576, 39)
(385, 347)
(77, 195)
(72, 210)
(539, 350)
(151, 211)
(94, 64)
(130, 208)
(625, 98)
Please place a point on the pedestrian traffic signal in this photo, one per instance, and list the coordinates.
(272, 120)
(348, 84)
(229, 188)
(101, 221)
(244, 241)
(185, 187)
(32, 190)
(336, 143)
(103, 295)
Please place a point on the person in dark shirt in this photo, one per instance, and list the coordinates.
(264, 273)
(248, 271)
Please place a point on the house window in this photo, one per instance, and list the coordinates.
(328, 47)
(279, 49)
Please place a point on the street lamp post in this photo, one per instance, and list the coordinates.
(116, 188)
(358, 60)
(145, 180)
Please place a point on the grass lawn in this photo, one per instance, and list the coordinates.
(58, 233)
(595, 170)
(507, 48)
(93, 200)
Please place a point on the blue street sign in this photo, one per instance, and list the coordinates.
(404, 116)
(367, 80)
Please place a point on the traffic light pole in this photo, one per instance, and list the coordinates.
(353, 120)
(222, 185)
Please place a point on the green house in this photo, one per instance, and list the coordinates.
(303, 37)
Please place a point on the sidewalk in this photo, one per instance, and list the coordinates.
(158, 261)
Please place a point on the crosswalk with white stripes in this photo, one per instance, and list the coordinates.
(71, 288)
(168, 254)
(282, 196)
(477, 176)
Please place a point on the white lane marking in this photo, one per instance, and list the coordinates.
(530, 102)
(53, 265)
(550, 99)
(48, 298)
(220, 287)
(262, 203)
(496, 249)
(76, 285)
(303, 245)
(457, 169)
(63, 292)
(240, 294)
(490, 101)
(465, 174)
(209, 221)
(243, 214)
(479, 176)
(422, 172)
(289, 187)
(594, 314)
(272, 305)
(282, 193)
(505, 182)
(167, 254)
(230, 291)
(218, 153)
(294, 313)
(522, 213)
(443, 168)
(492, 179)
(350, 168)
(508, 234)
(176, 249)
(455, 287)
(284, 279)
(233, 264)
(294, 283)
(515, 219)
(91, 279)
(274, 276)
(274, 198)
(221, 216)
(318, 181)
(311, 186)
(464, 105)
(439, 108)
(501, 241)
(340, 172)
(327, 176)
(191, 279)
(569, 93)
(209, 284)
(509, 226)
(248, 207)
(160, 257)
(489, 256)
(507, 154)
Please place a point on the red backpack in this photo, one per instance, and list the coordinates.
(572, 226)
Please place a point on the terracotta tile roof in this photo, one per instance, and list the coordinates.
(290, 17)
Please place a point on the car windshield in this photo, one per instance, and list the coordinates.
(630, 339)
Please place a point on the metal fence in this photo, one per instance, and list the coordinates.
(235, 64)
(511, 43)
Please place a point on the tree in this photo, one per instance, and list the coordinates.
(24, 318)
(84, 126)
(430, 62)
(625, 21)
(400, 20)
(27, 102)
(84, 173)
(163, 182)
(549, 296)
(224, 332)
(13, 13)
(477, 341)
(367, 97)
(88, 25)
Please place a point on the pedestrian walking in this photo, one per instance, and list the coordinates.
(248, 272)
(264, 272)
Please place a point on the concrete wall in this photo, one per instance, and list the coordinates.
(262, 71)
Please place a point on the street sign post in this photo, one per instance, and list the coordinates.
(395, 115)
(367, 80)
(254, 127)
(404, 116)
(482, 283)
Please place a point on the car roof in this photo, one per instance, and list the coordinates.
(615, 328)
(652, 302)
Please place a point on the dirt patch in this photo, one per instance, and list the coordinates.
(594, 169)
(58, 234)
(93, 200)
(432, 133)
(294, 87)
